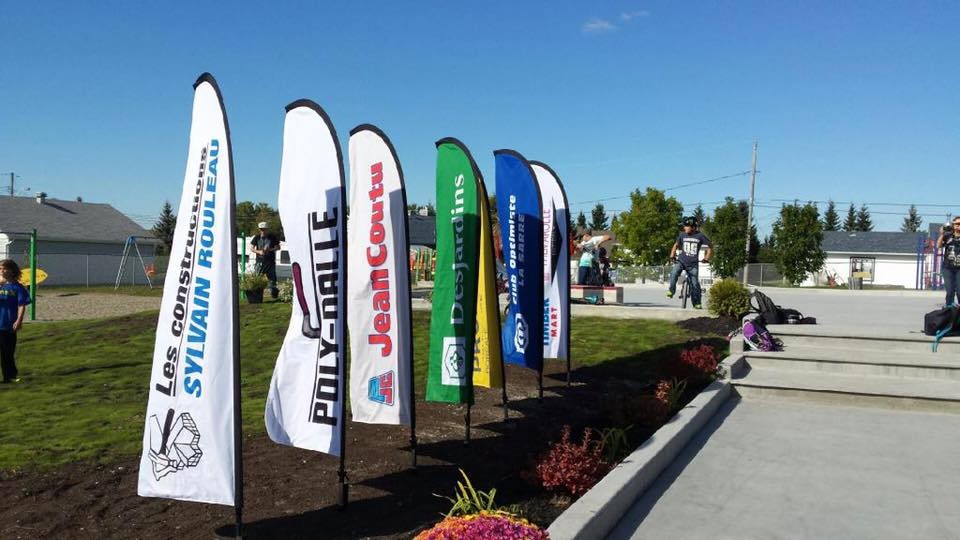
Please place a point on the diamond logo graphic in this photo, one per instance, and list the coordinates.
(454, 371)
(175, 445)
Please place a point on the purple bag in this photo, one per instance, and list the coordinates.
(758, 338)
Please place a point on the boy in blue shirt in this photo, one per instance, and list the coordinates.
(14, 299)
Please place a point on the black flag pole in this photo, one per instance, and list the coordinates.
(540, 385)
(235, 299)
(341, 340)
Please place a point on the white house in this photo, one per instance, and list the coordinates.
(880, 258)
(78, 243)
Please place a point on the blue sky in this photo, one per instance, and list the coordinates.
(855, 101)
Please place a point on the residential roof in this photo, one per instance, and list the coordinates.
(870, 242)
(422, 230)
(67, 220)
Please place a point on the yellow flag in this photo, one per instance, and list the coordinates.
(487, 366)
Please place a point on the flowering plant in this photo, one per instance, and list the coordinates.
(484, 526)
(701, 363)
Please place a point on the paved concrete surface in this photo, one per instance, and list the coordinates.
(866, 309)
(767, 469)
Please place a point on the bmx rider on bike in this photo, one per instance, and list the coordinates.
(686, 252)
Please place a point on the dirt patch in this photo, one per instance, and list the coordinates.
(720, 326)
(292, 493)
(54, 306)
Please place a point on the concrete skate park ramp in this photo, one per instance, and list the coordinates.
(844, 434)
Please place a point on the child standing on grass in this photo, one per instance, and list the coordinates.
(14, 299)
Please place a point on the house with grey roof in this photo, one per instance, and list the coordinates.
(78, 243)
(879, 258)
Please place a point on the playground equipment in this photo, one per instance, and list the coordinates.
(928, 263)
(148, 273)
(33, 274)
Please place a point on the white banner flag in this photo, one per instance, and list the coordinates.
(378, 287)
(305, 402)
(556, 263)
(189, 442)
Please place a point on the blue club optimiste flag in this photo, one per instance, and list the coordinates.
(190, 436)
(521, 233)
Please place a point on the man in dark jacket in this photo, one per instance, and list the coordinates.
(266, 245)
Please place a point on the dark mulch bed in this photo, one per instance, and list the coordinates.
(720, 326)
(292, 493)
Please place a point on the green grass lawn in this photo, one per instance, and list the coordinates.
(85, 382)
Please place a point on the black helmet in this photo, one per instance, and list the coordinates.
(690, 221)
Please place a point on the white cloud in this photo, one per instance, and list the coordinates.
(597, 25)
(628, 16)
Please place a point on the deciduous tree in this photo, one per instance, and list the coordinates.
(650, 227)
(796, 239)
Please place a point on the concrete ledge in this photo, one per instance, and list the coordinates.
(610, 295)
(596, 513)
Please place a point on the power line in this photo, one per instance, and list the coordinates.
(932, 205)
(690, 184)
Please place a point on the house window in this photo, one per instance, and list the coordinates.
(862, 267)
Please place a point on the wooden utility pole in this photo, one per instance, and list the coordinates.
(753, 178)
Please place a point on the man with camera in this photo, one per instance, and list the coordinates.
(949, 242)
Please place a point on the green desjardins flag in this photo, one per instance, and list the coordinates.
(453, 317)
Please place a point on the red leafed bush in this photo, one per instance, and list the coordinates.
(570, 467)
(700, 363)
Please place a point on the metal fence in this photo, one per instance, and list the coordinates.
(89, 270)
(759, 274)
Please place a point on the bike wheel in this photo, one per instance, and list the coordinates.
(684, 293)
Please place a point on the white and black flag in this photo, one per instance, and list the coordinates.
(190, 437)
(305, 403)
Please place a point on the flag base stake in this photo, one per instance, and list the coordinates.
(466, 426)
(238, 524)
(344, 492)
(540, 386)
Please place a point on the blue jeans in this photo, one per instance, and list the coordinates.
(693, 271)
(583, 276)
(951, 282)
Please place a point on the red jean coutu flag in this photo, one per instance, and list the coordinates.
(190, 437)
(556, 263)
(305, 402)
(378, 289)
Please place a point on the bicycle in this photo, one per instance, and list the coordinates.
(685, 285)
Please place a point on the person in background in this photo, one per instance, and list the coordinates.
(588, 251)
(949, 242)
(266, 245)
(14, 300)
(687, 252)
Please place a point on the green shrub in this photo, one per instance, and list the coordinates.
(285, 289)
(729, 298)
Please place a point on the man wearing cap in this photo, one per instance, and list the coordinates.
(266, 246)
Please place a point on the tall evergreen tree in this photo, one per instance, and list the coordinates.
(699, 214)
(864, 223)
(850, 224)
(581, 221)
(598, 218)
(831, 220)
(913, 221)
(165, 226)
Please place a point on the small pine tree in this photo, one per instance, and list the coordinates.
(864, 223)
(598, 218)
(699, 214)
(850, 224)
(581, 221)
(831, 220)
(913, 221)
(165, 226)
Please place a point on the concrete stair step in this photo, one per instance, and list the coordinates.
(849, 389)
(861, 339)
(844, 361)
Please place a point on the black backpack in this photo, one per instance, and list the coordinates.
(942, 322)
(770, 312)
